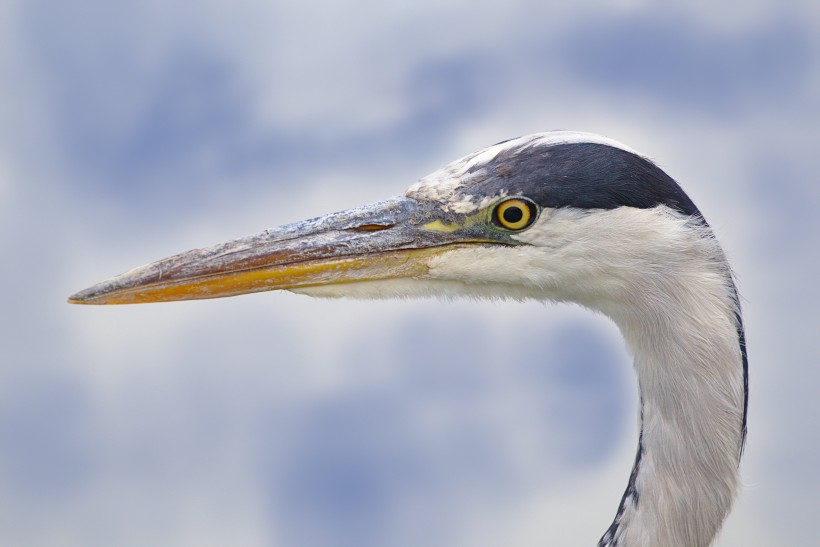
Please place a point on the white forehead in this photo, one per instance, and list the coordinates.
(443, 185)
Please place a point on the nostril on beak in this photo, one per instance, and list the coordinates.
(371, 227)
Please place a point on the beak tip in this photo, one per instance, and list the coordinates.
(77, 298)
(86, 296)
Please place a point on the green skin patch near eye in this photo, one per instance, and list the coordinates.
(439, 226)
(510, 214)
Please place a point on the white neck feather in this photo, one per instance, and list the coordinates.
(690, 375)
(665, 282)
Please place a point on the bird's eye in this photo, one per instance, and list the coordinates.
(515, 213)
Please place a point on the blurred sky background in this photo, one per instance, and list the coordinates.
(133, 130)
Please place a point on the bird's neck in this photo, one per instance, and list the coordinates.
(690, 362)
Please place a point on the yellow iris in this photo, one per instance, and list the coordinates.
(515, 214)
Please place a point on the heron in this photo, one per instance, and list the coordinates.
(555, 216)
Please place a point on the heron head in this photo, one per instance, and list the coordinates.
(518, 219)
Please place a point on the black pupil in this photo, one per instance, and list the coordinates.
(513, 214)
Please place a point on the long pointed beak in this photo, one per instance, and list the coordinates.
(380, 241)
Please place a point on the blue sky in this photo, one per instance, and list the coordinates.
(132, 131)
